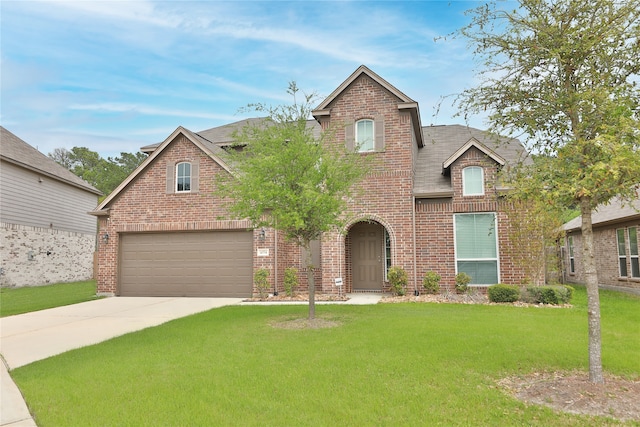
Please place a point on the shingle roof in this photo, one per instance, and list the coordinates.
(18, 152)
(440, 142)
(616, 211)
(218, 137)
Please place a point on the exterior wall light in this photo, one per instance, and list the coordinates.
(105, 238)
(263, 234)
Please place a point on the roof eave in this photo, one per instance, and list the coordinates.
(88, 188)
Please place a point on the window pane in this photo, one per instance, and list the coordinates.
(633, 240)
(183, 177)
(481, 272)
(635, 267)
(364, 135)
(622, 251)
(475, 236)
(623, 266)
(571, 246)
(472, 181)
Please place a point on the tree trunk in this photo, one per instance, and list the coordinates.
(593, 297)
(311, 281)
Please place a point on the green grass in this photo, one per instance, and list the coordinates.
(388, 364)
(24, 300)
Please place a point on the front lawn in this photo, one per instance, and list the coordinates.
(27, 299)
(387, 364)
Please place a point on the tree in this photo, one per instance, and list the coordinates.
(564, 73)
(103, 174)
(289, 179)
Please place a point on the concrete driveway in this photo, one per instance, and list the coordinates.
(29, 337)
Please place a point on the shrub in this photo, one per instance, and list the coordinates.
(431, 282)
(398, 280)
(261, 282)
(555, 295)
(290, 281)
(462, 282)
(503, 293)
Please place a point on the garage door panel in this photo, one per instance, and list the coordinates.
(214, 264)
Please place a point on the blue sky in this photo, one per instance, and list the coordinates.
(116, 75)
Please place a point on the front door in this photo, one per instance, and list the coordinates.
(366, 256)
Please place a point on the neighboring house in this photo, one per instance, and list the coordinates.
(616, 228)
(46, 235)
(431, 203)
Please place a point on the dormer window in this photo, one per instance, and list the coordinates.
(183, 177)
(472, 181)
(365, 135)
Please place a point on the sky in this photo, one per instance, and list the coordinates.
(114, 76)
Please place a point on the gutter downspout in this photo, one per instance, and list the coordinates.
(275, 261)
(415, 257)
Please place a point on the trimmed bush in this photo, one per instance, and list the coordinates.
(555, 295)
(462, 283)
(261, 282)
(398, 280)
(431, 282)
(503, 293)
(290, 282)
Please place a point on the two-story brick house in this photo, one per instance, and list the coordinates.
(431, 202)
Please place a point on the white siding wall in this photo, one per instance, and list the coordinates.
(28, 198)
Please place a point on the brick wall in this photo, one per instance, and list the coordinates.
(385, 195)
(606, 249)
(33, 256)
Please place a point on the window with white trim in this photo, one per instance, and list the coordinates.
(476, 246)
(633, 251)
(387, 253)
(630, 235)
(365, 135)
(183, 177)
(622, 252)
(572, 261)
(473, 181)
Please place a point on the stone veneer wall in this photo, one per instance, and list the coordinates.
(32, 256)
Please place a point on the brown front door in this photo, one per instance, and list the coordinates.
(366, 256)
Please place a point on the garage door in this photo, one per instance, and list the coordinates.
(198, 264)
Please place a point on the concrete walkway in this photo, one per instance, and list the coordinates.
(29, 337)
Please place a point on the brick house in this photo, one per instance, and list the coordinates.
(431, 203)
(616, 228)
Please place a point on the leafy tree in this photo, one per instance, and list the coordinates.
(564, 73)
(104, 174)
(289, 179)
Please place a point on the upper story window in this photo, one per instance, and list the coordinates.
(472, 181)
(183, 177)
(365, 135)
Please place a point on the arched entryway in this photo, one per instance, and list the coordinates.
(368, 253)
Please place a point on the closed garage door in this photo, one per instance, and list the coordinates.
(198, 264)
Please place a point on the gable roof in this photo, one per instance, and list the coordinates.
(614, 212)
(477, 144)
(446, 143)
(15, 150)
(214, 151)
(405, 103)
